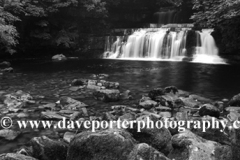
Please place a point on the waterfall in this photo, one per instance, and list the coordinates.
(166, 17)
(147, 43)
(165, 43)
(206, 49)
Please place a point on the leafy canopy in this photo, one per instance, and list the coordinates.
(210, 13)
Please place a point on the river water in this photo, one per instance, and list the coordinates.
(211, 80)
(52, 80)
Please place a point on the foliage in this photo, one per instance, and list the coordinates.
(51, 21)
(8, 32)
(224, 16)
(213, 12)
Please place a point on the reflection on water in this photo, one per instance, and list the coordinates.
(52, 80)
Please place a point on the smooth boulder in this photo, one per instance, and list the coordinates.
(59, 57)
(143, 151)
(209, 110)
(235, 101)
(107, 95)
(44, 148)
(101, 145)
(188, 146)
(159, 138)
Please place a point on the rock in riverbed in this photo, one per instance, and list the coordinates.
(143, 151)
(9, 134)
(109, 145)
(8, 70)
(209, 110)
(107, 95)
(59, 58)
(15, 156)
(159, 138)
(5, 64)
(190, 146)
(44, 148)
(235, 101)
(68, 103)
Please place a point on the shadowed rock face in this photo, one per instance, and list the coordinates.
(102, 145)
(209, 110)
(188, 146)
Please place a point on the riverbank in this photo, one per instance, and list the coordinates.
(132, 85)
(158, 105)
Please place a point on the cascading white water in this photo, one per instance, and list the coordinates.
(162, 44)
(146, 43)
(206, 49)
(166, 17)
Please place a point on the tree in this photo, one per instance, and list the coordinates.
(210, 13)
(224, 16)
(56, 23)
(8, 32)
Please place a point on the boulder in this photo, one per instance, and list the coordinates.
(213, 132)
(232, 109)
(17, 99)
(59, 57)
(79, 82)
(128, 117)
(109, 144)
(5, 64)
(44, 148)
(51, 115)
(235, 101)
(143, 151)
(159, 138)
(189, 146)
(165, 114)
(107, 95)
(8, 70)
(155, 93)
(13, 103)
(182, 93)
(68, 136)
(209, 110)
(127, 95)
(23, 115)
(200, 98)
(147, 104)
(235, 137)
(15, 156)
(233, 116)
(95, 84)
(189, 102)
(68, 103)
(9, 134)
(171, 89)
